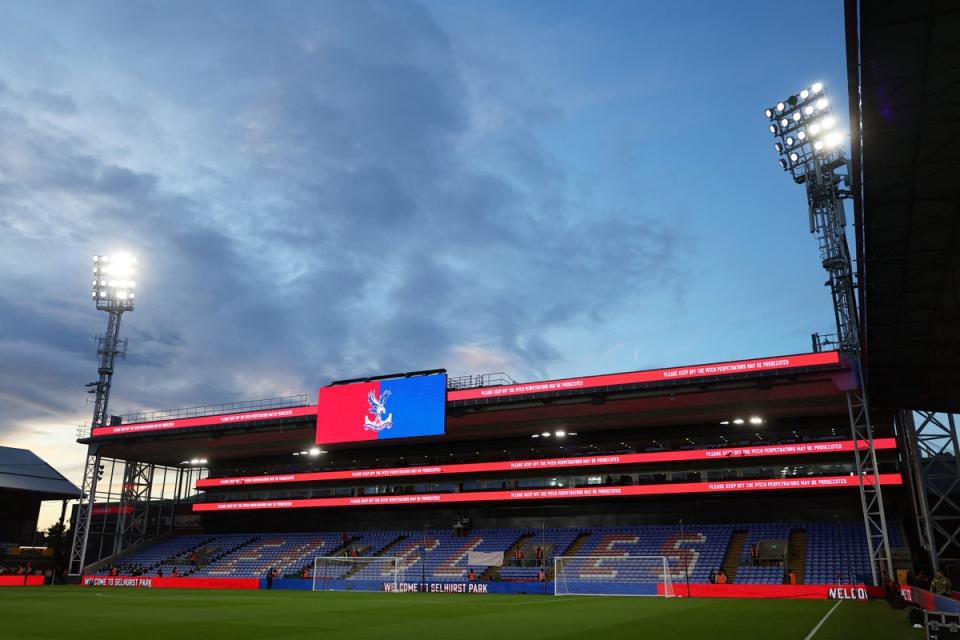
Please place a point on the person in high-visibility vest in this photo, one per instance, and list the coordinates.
(539, 554)
(518, 556)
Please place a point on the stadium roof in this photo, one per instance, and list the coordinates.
(794, 393)
(22, 470)
(909, 204)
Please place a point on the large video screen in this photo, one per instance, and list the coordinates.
(382, 409)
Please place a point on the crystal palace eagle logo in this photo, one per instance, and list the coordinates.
(378, 410)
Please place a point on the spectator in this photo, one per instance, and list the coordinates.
(754, 553)
(304, 573)
(791, 577)
(193, 558)
(518, 556)
(270, 578)
(159, 572)
(721, 577)
(541, 576)
(922, 581)
(941, 584)
(713, 576)
(472, 577)
(174, 573)
(344, 539)
(354, 553)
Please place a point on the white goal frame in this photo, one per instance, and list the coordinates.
(362, 561)
(666, 579)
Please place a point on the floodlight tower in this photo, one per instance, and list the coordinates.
(811, 151)
(113, 291)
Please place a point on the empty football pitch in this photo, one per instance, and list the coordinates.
(84, 612)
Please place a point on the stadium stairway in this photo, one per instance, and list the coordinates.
(493, 573)
(571, 550)
(379, 550)
(797, 553)
(521, 543)
(731, 559)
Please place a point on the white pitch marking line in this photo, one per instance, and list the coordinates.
(822, 620)
(547, 599)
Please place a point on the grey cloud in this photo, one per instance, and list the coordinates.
(342, 226)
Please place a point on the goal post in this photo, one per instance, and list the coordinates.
(605, 575)
(343, 573)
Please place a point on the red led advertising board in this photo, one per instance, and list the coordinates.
(204, 421)
(825, 482)
(656, 375)
(551, 463)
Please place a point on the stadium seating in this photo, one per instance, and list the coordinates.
(285, 552)
(835, 551)
(157, 555)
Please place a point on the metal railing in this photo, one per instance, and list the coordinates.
(479, 380)
(217, 409)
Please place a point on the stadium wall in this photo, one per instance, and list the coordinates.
(470, 588)
(806, 592)
(151, 582)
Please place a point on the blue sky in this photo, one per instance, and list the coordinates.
(333, 189)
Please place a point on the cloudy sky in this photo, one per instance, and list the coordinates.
(331, 189)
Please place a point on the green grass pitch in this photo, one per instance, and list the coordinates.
(78, 613)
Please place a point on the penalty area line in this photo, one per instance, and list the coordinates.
(822, 620)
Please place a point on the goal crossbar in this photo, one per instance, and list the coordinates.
(612, 575)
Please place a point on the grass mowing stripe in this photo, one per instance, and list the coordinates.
(94, 614)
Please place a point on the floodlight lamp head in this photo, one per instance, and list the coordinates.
(113, 286)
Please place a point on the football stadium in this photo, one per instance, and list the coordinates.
(796, 495)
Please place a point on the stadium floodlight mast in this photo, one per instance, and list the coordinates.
(811, 150)
(113, 290)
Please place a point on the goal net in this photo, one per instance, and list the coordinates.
(343, 573)
(612, 576)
